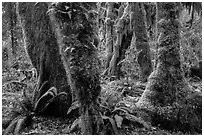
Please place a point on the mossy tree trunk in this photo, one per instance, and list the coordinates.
(11, 7)
(109, 22)
(142, 40)
(123, 40)
(43, 50)
(75, 27)
(150, 14)
(10, 17)
(168, 98)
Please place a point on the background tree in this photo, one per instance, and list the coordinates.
(123, 36)
(9, 8)
(142, 40)
(10, 29)
(123, 40)
(109, 22)
(191, 45)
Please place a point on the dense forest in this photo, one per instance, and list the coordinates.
(102, 68)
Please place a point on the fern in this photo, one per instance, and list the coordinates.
(74, 106)
(21, 113)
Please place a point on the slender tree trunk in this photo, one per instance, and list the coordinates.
(12, 37)
(12, 26)
(10, 9)
(80, 59)
(109, 31)
(150, 11)
(142, 41)
(168, 98)
(101, 24)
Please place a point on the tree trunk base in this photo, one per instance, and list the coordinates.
(92, 123)
(170, 102)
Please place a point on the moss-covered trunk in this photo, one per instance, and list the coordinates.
(43, 50)
(168, 98)
(123, 40)
(10, 11)
(75, 27)
(142, 40)
(11, 7)
(109, 22)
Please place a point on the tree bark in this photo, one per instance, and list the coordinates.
(12, 24)
(43, 50)
(75, 28)
(142, 41)
(109, 31)
(168, 98)
(124, 36)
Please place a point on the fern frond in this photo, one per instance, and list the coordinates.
(19, 125)
(11, 126)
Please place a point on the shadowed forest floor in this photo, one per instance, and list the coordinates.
(120, 94)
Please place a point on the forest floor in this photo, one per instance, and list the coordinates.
(115, 95)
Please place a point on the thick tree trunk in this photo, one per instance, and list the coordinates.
(43, 50)
(75, 34)
(168, 98)
(142, 41)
